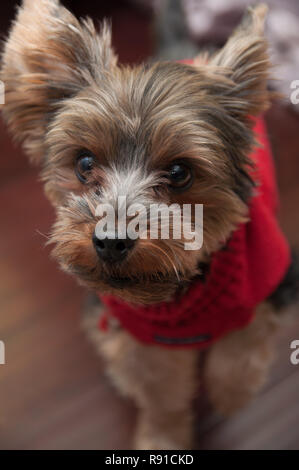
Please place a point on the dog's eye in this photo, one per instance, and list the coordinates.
(180, 177)
(83, 166)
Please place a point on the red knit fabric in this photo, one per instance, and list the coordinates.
(240, 277)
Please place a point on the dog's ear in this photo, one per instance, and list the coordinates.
(49, 56)
(245, 62)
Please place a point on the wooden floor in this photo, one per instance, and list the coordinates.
(53, 391)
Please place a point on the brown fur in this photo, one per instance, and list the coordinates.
(66, 92)
(164, 382)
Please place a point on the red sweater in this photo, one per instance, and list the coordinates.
(240, 277)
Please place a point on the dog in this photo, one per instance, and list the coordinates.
(181, 132)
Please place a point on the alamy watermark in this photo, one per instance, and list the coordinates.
(158, 221)
(294, 358)
(295, 94)
(2, 93)
(2, 353)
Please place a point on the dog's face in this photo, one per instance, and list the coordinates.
(162, 133)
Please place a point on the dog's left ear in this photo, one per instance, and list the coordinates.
(244, 60)
(49, 56)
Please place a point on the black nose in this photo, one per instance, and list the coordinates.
(112, 249)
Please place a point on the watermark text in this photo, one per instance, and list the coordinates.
(157, 221)
(294, 358)
(2, 353)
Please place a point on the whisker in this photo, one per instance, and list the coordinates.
(169, 259)
(47, 237)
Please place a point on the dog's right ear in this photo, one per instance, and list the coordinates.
(49, 56)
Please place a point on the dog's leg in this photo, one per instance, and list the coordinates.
(163, 384)
(166, 389)
(236, 366)
(161, 381)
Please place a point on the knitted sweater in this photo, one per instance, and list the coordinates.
(240, 277)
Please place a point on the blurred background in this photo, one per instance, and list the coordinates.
(53, 391)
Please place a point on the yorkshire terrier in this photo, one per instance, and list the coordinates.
(173, 132)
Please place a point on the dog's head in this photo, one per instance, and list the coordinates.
(167, 133)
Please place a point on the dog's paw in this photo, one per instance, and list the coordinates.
(166, 431)
(156, 443)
